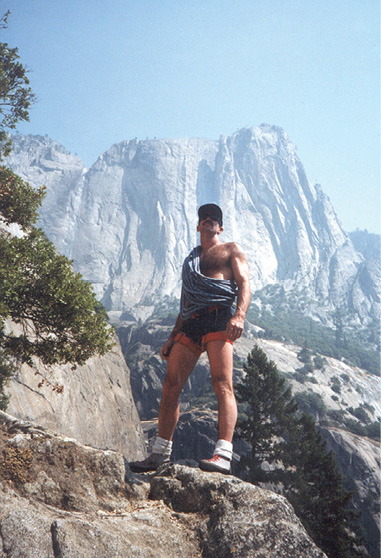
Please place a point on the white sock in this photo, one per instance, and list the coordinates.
(162, 446)
(224, 448)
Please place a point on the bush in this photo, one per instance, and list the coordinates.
(311, 403)
(373, 430)
(355, 427)
(319, 362)
(360, 413)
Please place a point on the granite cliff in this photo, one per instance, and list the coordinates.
(92, 403)
(129, 220)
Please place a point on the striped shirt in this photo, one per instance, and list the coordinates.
(199, 291)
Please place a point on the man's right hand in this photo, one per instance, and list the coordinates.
(234, 328)
(166, 349)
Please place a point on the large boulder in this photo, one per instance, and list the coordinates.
(59, 498)
(92, 403)
(238, 519)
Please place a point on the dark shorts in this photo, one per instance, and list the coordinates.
(209, 324)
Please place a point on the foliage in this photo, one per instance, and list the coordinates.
(305, 355)
(269, 408)
(371, 429)
(306, 369)
(7, 370)
(314, 488)
(54, 313)
(299, 462)
(319, 362)
(311, 403)
(360, 413)
(15, 94)
(19, 201)
(336, 388)
(59, 318)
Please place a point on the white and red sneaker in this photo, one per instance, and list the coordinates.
(217, 464)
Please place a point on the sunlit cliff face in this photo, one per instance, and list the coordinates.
(129, 220)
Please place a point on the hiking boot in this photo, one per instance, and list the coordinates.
(217, 464)
(151, 463)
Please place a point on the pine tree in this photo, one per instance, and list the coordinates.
(313, 485)
(52, 315)
(269, 408)
(305, 470)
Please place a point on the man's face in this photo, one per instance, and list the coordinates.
(209, 222)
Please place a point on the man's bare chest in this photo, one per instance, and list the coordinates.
(216, 263)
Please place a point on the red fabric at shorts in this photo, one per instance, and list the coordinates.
(198, 349)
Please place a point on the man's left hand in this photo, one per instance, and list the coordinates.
(234, 329)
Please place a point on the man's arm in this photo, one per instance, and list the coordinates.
(167, 347)
(240, 269)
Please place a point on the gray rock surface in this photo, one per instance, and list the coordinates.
(368, 244)
(129, 220)
(241, 520)
(96, 405)
(59, 498)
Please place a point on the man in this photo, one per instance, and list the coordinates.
(214, 275)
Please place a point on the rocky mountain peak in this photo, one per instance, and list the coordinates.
(129, 220)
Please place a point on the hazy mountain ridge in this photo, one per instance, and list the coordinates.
(129, 220)
(368, 244)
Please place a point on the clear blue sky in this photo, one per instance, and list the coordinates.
(111, 70)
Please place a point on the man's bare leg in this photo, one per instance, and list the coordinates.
(220, 356)
(181, 362)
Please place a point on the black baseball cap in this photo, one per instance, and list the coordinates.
(211, 210)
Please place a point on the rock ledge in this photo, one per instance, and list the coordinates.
(61, 499)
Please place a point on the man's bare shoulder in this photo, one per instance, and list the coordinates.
(234, 249)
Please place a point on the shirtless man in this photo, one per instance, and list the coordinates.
(214, 274)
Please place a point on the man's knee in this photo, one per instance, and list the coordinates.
(222, 387)
(173, 384)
